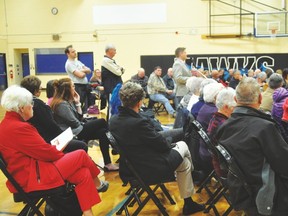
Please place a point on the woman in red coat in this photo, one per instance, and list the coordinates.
(37, 165)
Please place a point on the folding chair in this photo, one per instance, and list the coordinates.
(157, 107)
(33, 200)
(234, 169)
(221, 190)
(138, 187)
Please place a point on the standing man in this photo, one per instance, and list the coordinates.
(77, 72)
(181, 72)
(111, 72)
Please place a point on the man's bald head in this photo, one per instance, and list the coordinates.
(141, 72)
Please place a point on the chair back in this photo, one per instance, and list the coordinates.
(4, 170)
(123, 157)
(232, 166)
(204, 136)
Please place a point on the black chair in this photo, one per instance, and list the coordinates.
(157, 107)
(32, 200)
(222, 189)
(138, 187)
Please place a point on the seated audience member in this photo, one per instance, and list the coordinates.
(256, 72)
(154, 157)
(285, 77)
(275, 81)
(206, 112)
(67, 113)
(28, 148)
(279, 97)
(198, 105)
(42, 118)
(221, 78)
(158, 91)
(193, 86)
(235, 79)
(254, 141)
(228, 75)
(141, 79)
(215, 75)
(261, 79)
(250, 73)
(285, 111)
(169, 80)
(96, 83)
(225, 104)
(49, 91)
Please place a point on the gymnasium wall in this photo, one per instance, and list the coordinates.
(31, 25)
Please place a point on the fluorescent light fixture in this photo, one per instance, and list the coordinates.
(129, 14)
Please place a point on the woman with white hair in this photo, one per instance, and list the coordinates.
(210, 93)
(37, 165)
(198, 105)
(193, 86)
(225, 104)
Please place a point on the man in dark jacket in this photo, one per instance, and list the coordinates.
(256, 144)
(153, 156)
(111, 72)
(169, 80)
(235, 79)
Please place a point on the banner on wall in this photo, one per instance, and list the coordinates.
(220, 61)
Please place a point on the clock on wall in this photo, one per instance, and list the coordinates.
(54, 11)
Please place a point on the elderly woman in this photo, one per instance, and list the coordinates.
(193, 86)
(67, 113)
(42, 118)
(225, 104)
(206, 112)
(153, 156)
(36, 165)
(198, 105)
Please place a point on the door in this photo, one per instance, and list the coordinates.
(87, 59)
(25, 64)
(3, 72)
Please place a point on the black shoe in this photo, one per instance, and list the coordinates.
(103, 187)
(192, 208)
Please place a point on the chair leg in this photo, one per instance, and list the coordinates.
(202, 185)
(131, 197)
(155, 199)
(32, 208)
(215, 200)
(167, 194)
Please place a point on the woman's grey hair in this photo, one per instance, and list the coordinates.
(193, 84)
(109, 46)
(204, 83)
(211, 91)
(15, 97)
(247, 91)
(275, 81)
(130, 94)
(226, 98)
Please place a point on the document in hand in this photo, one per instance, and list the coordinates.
(63, 139)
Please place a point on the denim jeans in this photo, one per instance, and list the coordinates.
(161, 98)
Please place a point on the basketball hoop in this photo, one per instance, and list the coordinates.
(273, 33)
(273, 28)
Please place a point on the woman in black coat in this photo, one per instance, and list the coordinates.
(154, 157)
(42, 118)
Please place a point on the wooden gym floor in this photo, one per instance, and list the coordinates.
(116, 193)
